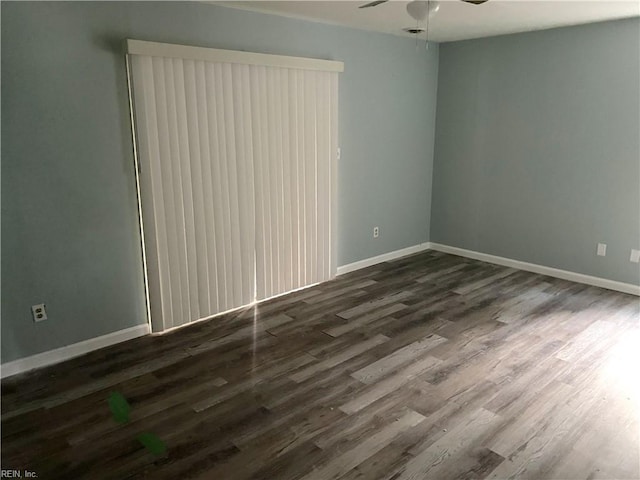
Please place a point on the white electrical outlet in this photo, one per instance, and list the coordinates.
(635, 256)
(602, 249)
(39, 312)
(376, 232)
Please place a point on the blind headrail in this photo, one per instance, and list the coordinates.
(155, 49)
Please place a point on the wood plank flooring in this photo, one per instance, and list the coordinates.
(429, 367)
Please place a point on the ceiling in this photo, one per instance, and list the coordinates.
(455, 20)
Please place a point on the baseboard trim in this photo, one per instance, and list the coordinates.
(385, 257)
(70, 351)
(535, 268)
(65, 353)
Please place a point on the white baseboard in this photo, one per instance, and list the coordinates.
(65, 353)
(385, 257)
(532, 267)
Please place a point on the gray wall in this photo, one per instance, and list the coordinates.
(538, 147)
(69, 226)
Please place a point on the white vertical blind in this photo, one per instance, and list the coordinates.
(237, 182)
(295, 150)
(196, 186)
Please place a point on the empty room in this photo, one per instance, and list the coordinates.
(385, 240)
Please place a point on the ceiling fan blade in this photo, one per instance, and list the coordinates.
(373, 4)
(475, 2)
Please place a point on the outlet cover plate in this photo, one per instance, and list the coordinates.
(602, 249)
(635, 256)
(39, 312)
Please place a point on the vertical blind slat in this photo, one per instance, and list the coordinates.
(184, 155)
(320, 165)
(200, 250)
(293, 179)
(167, 190)
(333, 127)
(286, 181)
(302, 183)
(266, 179)
(310, 174)
(278, 183)
(208, 211)
(217, 143)
(245, 178)
(256, 120)
(173, 166)
(147, 144)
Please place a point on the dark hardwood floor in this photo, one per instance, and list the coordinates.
(428, 367)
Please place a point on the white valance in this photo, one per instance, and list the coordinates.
(186, 52)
